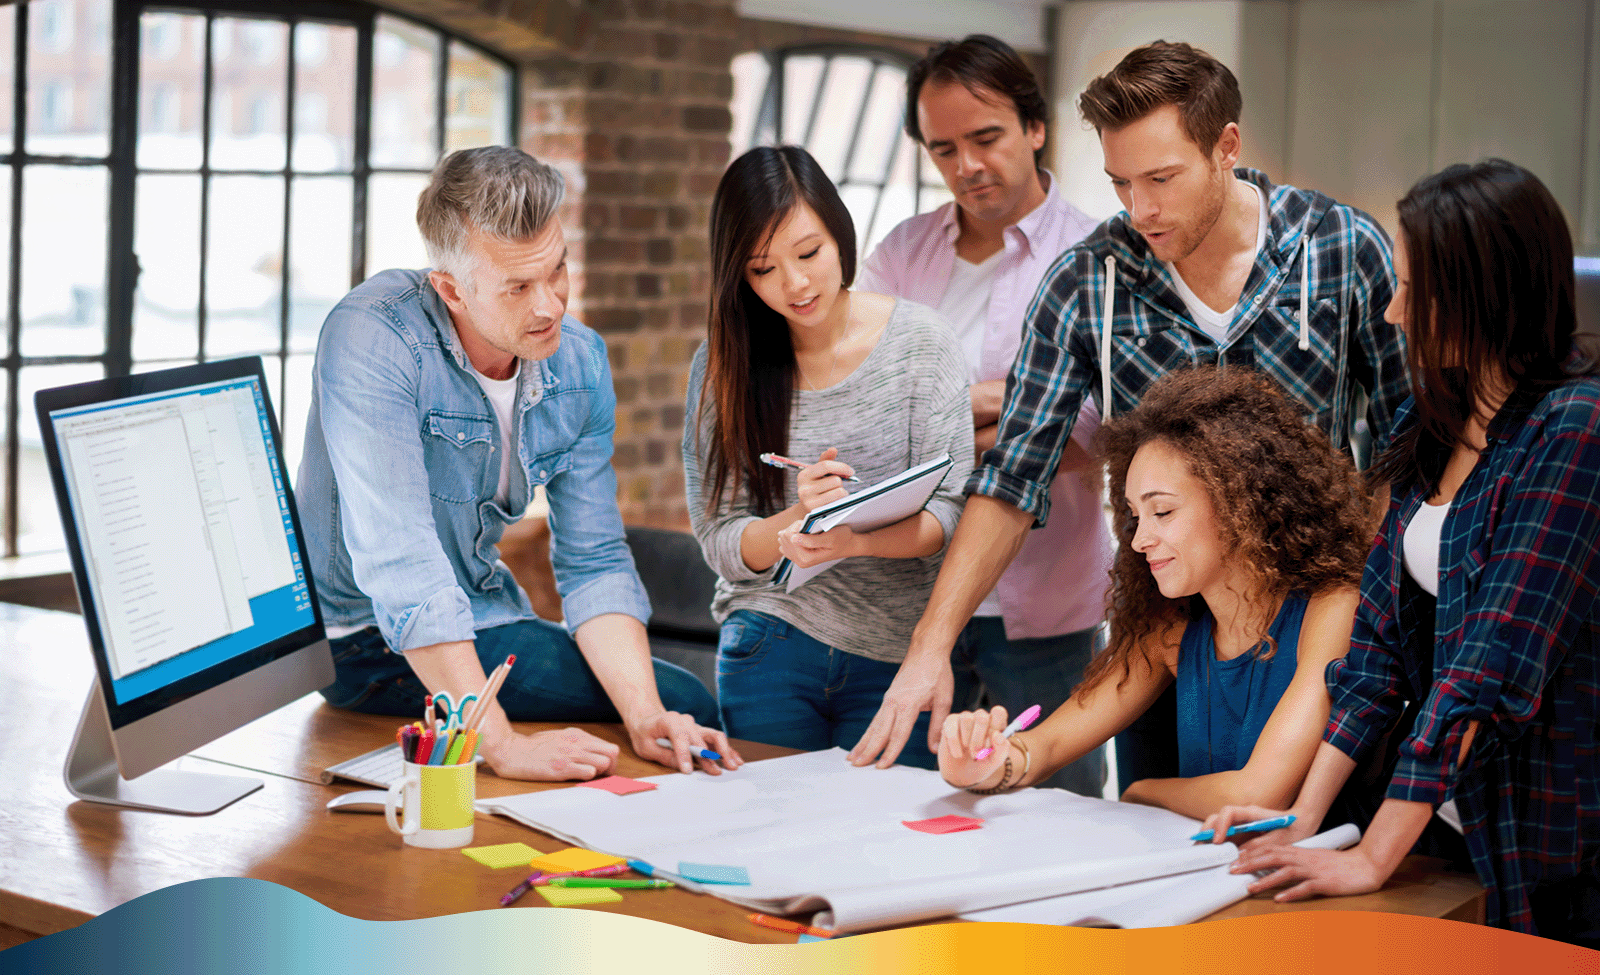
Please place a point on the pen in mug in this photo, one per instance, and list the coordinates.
(491, 687)
(778, 460)
(1023, 720)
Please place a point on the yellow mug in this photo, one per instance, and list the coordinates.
(437, 804)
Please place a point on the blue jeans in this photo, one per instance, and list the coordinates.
(1018, 674)
(781, 687)
(549, 682)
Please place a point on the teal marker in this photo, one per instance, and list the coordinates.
(1259, 826)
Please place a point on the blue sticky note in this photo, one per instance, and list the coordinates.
(713, 873)
(808, 937)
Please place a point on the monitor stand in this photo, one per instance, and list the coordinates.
(92, 773)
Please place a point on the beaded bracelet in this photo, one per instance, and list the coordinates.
(1004, 783)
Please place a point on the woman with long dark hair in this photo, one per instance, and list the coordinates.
(1242, 537)
(796, 363)
(1479, 597)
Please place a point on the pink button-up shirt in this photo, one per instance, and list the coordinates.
(1058, 582)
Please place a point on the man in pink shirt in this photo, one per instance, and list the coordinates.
(978, 109)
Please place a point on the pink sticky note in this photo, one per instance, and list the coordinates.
(619, 784)
(943, 824)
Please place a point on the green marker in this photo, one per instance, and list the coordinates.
(608, 882)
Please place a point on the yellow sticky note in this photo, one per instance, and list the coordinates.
(502, 855)
(574, 896)
(575, 858)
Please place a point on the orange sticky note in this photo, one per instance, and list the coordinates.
(619, 785)
(943, 824)
(575, 858)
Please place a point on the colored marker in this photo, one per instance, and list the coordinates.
(1259, 826)
(778, 460)
(520, 889)
(608, 882)
(704, 752)
(639, 866)
(1023, 720)
(606, 871)
(793, 927)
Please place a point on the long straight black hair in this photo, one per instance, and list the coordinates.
(1492, 295)
(750, 375)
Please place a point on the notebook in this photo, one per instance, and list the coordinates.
(871, 508)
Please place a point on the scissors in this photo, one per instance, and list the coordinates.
(455, 714)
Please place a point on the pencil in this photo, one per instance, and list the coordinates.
(491, 687)
(784, 924)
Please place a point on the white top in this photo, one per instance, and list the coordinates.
(966, 305)
(1420, 546)
(502, 395)
(1216, 323)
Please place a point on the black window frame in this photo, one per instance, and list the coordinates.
(120, 164)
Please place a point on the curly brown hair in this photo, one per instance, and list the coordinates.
(1288, 505)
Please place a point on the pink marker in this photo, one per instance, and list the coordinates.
(1023, 720)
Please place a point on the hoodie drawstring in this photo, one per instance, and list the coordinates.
(1305, 292)
(1105, 339)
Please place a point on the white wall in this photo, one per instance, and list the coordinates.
(1360, 98)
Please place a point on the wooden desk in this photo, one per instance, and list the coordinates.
(63, 861)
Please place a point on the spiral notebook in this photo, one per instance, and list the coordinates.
(870, 508)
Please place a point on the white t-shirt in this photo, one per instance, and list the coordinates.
(1420, 546)
(966, 306)
(1216, 323)
(502, 395)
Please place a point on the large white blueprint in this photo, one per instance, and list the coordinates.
(816, 833)
(1155, 903)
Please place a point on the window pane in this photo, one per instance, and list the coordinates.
(477, 100)
(293, 408)
(392, 238)
(8, 47)
(405, 72)
(750, 71)
(5, 251)
(63, 289)
(858, 200)
(247, 111)
(885, 108)
(167, 241)
(325, 92)
(244, 263)
(840, 107)
(170, 82)
(39, 522)
(319, 255)
(69, 77)
(802, 74)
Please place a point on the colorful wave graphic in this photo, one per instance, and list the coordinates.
(232, 925)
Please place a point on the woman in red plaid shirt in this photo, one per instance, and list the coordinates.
(1479, 602)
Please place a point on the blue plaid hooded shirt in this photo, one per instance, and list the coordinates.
(1321, 336)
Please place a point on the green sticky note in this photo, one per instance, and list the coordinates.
(503, 855)
(576, 896)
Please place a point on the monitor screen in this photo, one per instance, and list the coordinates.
(184, 532)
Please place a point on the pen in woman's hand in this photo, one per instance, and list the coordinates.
(778, 460)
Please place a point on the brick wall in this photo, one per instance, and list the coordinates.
(635, 111)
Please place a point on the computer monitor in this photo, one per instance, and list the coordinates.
(191, 572)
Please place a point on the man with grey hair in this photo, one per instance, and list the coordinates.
(440, 400)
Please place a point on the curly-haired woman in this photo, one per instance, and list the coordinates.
(1243, 534)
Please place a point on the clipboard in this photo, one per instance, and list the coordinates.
(871, 508)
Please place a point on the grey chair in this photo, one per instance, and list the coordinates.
(680, 586)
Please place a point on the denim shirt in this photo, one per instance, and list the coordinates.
(401, 462)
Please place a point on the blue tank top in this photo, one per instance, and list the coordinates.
(1224, 704)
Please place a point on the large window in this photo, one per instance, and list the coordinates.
(846, 106)
(190, 181)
